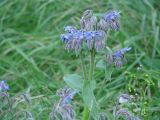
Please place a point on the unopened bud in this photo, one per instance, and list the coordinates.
(93, 20)
(87, 14)
(103, 25)
(82, 23)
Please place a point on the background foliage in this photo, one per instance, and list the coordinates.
(33, 60)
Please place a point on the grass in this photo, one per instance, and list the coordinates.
(33, 60)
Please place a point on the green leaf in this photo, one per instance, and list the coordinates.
(74, 81)
(89, 98)
(108, 72)
(101, 64)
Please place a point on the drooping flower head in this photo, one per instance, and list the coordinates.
(112, 15)
(64, 109)
(118, 57)
(66, 95)
(73, 39)
(95, 39)
(124, 113)
(112, 19)
(3, 86)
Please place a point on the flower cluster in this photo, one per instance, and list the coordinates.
(118, 57)
(92, 32)
(75, 38)
(3, 86)
(64, 109)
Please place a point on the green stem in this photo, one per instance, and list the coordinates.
(85, 113)
(91, 71)
(92, 64)
(83, 66)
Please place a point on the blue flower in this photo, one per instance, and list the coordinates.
(66, 95)
(118, 57)
(63, 109)
(99, 40)
(88, 35)
(66, 37)
(70, 29)
(113, 15)
(112, 19)
(74, 39)
(3, 86)
(120, 53)
(95, 39)
(69, 97)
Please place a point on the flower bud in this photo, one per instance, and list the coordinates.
(103, 25)
(82, 23)
(87, 14)
(112, 19)
(93, 20)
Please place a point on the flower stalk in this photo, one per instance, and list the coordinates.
(86, 110)
(83, 66)
(91, 72)
(92, 59)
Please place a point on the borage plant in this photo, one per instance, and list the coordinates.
(14, 107)
(90, 39)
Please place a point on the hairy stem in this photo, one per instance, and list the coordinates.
(83, 66)
(86, 111)
(91, 72)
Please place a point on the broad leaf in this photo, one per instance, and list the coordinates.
(74, 81)
(89, 98)
(101, 64)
